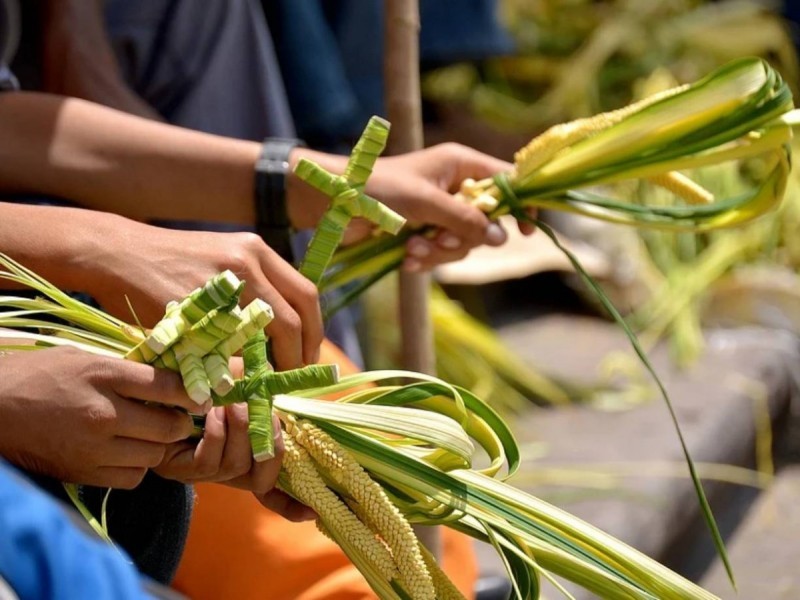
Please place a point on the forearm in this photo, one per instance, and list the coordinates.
(66, 246)
(107, 160)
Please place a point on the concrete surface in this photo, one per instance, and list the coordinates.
(715, 402)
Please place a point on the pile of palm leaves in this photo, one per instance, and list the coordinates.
(413, 447)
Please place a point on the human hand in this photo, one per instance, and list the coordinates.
(151, 266)
(420, 186)
(224, 455)
(79, 417)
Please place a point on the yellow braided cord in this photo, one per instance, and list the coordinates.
(379, 512)
(306, 484)
(445, 589)
(683, 187)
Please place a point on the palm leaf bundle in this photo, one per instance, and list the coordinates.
(740, 111)
(381, 458)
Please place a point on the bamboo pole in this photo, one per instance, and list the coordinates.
(404, 110)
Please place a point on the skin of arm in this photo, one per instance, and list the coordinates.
(117, 260)
(108, 160)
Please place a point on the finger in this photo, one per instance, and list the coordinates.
(448, 240)
(443, 210)
(152, 422)
(477, 165)
(143, 382)
(126, 452)
(285, 329)
(123, 478)
(297, 330)
(424, 255)
(286, 506)
(236, 365)
(237, 456)
(177, 462)
(203, 462)
(440, 257)
(526, 227)
(286, 337)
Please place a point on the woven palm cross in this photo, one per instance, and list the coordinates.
(348, 199)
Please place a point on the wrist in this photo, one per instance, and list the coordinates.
(271, 172)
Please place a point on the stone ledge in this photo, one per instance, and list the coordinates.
(765, 550)
(657, 515)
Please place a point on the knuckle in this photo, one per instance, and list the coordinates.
(179, 426)
(307, 293)
(288, 324)
(249, 241)
(101, 418)
(449, 147)
(204, 469)
(237, 465)
(237, 418)
(246, 245)
(99, 371)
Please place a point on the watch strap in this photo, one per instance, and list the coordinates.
(272, 218)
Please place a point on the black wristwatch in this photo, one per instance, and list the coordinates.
(272, 219)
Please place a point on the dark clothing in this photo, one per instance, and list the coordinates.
(331, 56)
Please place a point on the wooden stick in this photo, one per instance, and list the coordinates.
(404, 110)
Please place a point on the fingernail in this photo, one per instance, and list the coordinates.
(449, 241)
(495, 235)
(412, 265)
(419, 249)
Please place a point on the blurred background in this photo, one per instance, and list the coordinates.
(717, 313)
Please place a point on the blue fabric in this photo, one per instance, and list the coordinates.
(7, 80)
(9, 30)
(44, 555)
(338, 46)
